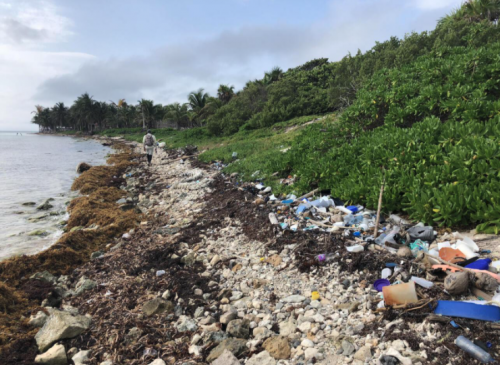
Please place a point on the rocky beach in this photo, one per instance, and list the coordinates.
(178, 263)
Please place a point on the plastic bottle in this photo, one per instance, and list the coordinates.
(475, 351)
(355, 248)
(390, 236)
(352, 219)
(380, 239)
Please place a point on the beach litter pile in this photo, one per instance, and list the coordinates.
(224, 272)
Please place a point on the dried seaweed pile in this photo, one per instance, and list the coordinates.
(127, 280)
(72, 250)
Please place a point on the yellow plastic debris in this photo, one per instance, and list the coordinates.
(315, 295)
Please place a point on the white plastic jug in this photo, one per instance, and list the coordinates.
(355, 248)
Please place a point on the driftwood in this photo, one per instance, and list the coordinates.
(377, 221)
(308, 195)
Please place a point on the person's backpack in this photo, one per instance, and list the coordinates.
(149, 140)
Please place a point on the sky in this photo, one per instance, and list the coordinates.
(55, 50)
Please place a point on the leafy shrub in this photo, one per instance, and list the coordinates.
(433, 126)
(319, 86)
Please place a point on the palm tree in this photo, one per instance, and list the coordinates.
(473, 11)
(121, 103)
(145, 107)
(274, 75)
(483, 9)
(197, 100)
(83, 111)
(212, 105)
(150, 112)
(225, 93)
(41, 117)
(178, 113)
(59, 114)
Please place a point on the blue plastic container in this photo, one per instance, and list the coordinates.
(353, 208)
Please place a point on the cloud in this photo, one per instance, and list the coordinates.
(26, 23)
(18, 32)
(26, 28)
(170, 72)
(231, 56)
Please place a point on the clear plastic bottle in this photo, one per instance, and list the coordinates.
(390, 236)
(349, 220)
(380, 239)
(475, 351)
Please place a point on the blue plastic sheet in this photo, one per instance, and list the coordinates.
(448, 308)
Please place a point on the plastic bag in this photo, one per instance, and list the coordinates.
(418, 246)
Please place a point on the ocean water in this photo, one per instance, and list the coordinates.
(34, 168)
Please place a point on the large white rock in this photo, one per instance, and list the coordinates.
(263, 358)
(287, 328)
(311, 353)
(305, 327)
(226, 358)
(56, 355)
(60, 325)
(307, 343)
(38, 320)
(81, 357)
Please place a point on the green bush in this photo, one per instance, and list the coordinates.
(433, 126)
(319, 87)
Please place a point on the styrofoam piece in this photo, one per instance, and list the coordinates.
(470, 243)
(443, 244)
(466, 250)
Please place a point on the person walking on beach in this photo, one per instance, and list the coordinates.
(149, 143)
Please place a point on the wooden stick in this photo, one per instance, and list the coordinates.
(379, 208)
(306, 196)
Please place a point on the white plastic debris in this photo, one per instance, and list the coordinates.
(355, 248)
(422, 282)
